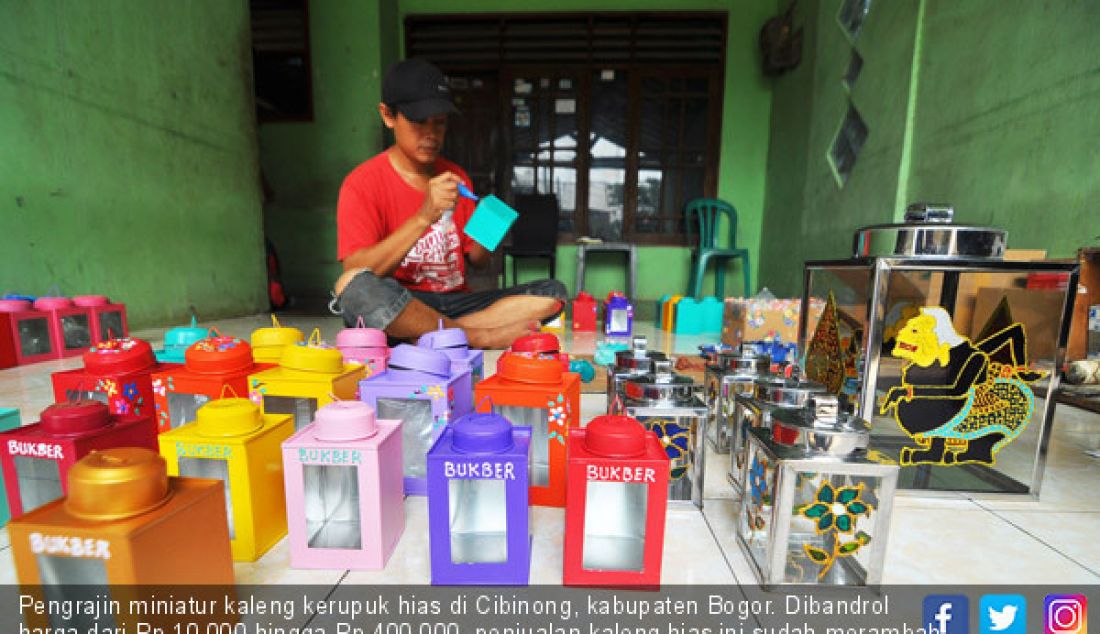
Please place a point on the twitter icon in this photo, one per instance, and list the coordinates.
(1003, 614)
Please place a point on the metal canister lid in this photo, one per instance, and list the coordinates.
(482, 434)
(52, 303)
(785, 392)
(409, 358)
(218, 355)
(663, 386)
(529, 367)
(538, 342)
(312, 358)
(229, 417)
(638, 359)
(119, 356)
(15, 305)
(91, 301)
(742, 362)
(341, 421)
(74, 418)
(117, 483)
(615, 437)
(821, 429)
(929, 232)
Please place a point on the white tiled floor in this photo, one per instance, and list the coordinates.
(945, 539)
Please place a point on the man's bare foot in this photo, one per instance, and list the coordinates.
(499, 338)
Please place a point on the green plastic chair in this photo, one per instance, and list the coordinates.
(707, 213)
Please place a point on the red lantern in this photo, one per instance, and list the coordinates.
(118, 372)
(584, 313)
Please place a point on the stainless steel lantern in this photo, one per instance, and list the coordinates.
(816, 508)
(669, 404)
(754, 410)
(628, 363)
(947, 348)
(733, 372)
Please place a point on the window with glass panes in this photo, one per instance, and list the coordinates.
(617, 115)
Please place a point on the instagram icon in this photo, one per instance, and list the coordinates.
(1065, 614)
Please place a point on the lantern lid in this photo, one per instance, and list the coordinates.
(663, 386)
(786, 391)
(526, 367)
(742, 362)
(409, 358)
(52, 303)
(482, 433)
(538, 342)
(638, 359)
(276, 335)
(119, 356)
(218, 355)
(313, 357)
(184, 336)
(341, 421)
(90, 301)
(228, 417)
(74, 418)
(444, 339)
(117, 483)
(821, 429)
(615, 437)
(617, 301)
(361, 338)
(929, 232)
(15, 305)
(584, 296)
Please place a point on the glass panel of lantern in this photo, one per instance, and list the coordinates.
(533, 390)
(817, 506)
(344, 489)
(9, 419)
(178, 340)
(71, 325)
(120, 371)
(731, 373)
(668, 404)
(30, 330)
(230, 440)
(453, 343)
(755, 410)
(308, 376)
(212, 366)
(367, 346)
(615, 516)
(124, 523)
(478, 520)
(108, 319)
(36, 458)
(629, 363)
(268, 343)
(423, 390)
(946, 347)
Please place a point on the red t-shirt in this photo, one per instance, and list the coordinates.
(375, 201)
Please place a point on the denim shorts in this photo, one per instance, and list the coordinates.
(379, 300)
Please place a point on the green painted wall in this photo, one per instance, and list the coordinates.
(128, 156)
(306, 162)
(970, 103)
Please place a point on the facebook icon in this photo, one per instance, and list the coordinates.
(946, 614)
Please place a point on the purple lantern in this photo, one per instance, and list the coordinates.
(618, 320)
(421, 389)
(477, 503)
(453, 343)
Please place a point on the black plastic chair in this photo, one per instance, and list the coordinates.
(535, 233)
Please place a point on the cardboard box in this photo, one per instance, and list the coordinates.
(763, 319)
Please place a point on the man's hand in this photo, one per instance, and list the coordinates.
(442, 195)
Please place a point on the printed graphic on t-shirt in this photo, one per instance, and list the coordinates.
(434, 260)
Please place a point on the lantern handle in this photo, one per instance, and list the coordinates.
(194, 321)
(53, 291)
(213, 330)
(359, 323)
(229, 387)
(617, 405)
(487, 397)
(72, 397)
(335, 399)
(315, 335)
(275, 321)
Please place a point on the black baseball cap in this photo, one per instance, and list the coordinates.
(417, 89)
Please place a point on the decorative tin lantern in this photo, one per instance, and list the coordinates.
(230, 440)
(618, 315)
(36, 458)
(71, 325)
(118, 372)
(212, 366)
(308, 376)
(754, 410)
(615, 506)
(344, 489)
(731, 373)
(584, 312)
(178, 340)
(668, 404)
(367, 346)
(937, 340)
(31, 331)
(268, 343)
(534, 391)
(124, 523)
(9, 419)
(816, 508)
(421, 389)
(453, 343)
(629, 363)
(478, 517)
(108, 319)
